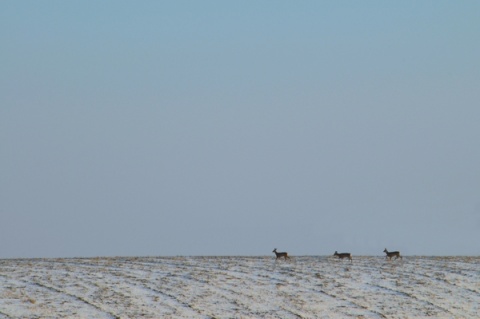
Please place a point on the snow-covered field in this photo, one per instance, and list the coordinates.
(240, 287)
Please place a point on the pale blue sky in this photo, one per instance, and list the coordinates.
(232, 128)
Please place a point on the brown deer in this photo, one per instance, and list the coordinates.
(343, 255)
(280, 255)
(391, 254)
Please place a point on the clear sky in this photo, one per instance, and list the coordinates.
(235, 127)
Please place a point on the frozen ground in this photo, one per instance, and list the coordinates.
(240, 287)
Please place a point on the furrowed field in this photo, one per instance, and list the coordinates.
(240, 287)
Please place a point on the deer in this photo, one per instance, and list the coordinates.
(280, 255)
(343, 255)
(391, 254)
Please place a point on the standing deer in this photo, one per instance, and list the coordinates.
(280, 255)
(391, 254)
(343, 255)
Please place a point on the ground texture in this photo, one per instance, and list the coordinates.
(240, 287)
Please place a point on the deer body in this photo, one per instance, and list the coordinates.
(280, 255)
(391, 254)
(343, 255)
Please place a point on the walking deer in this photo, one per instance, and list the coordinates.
(391, 254)
(343, 255)
(280, 255)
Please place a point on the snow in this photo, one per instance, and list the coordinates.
(240, 287)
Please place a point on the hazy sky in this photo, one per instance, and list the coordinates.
(235, 127)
